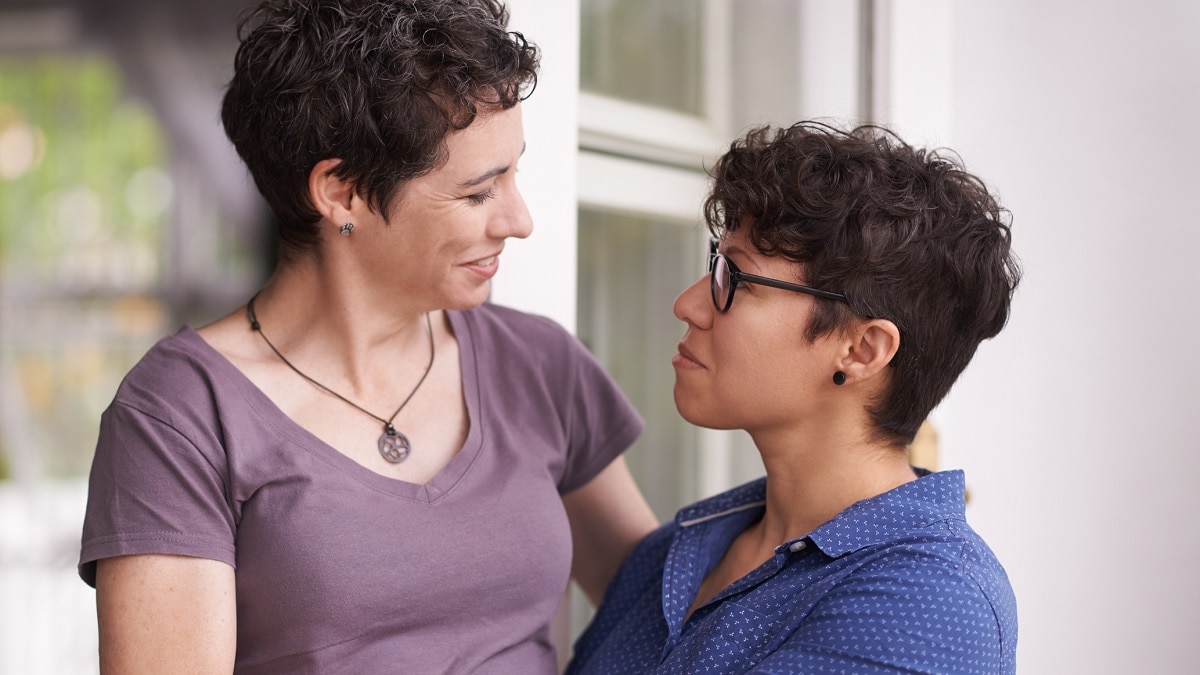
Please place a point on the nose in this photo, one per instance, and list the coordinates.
(694, 305)
(514, 219)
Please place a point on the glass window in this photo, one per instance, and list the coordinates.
(630, 270)
(644, 51)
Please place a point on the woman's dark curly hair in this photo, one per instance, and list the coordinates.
(378, 84)
(906, 233)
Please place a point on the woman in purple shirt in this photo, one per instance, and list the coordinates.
(852, 278)
(367, 468)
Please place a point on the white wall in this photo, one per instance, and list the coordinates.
(539, 274)
(1075, 425)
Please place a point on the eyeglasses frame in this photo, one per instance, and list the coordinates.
(737, 276)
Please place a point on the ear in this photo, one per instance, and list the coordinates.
(331, 196)
(871, 346)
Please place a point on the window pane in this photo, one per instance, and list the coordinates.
(645, 51)
(630, 270)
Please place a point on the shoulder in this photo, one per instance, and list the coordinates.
(945, 575)
(942, 569)
(512, 335)
(945, 547)
(642, 571)
(921, 604)
(647, 561)
(911, 552)
(985, 577)
(651, 551)
(500, 321)
(943, 561)
(180, 372)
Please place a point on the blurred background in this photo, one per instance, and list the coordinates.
(124, 213)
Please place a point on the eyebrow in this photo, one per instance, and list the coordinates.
(488, 175)
(484, 177)
(733, 249)
(730, 249)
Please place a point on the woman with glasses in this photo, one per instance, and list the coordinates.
(851, 280)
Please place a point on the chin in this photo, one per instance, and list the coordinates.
(695, 413)
(469, 299)
(703, 411)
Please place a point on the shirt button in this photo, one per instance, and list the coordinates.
(798, 546)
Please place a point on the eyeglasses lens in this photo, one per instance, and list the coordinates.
(720, 283)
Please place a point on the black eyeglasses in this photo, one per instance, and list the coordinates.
(724, 277)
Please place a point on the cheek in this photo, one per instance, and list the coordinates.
(762, 375)
(722, 395)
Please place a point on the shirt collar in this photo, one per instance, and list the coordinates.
(931, 498)
(741, 498)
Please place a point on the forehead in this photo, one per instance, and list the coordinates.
(734, 243)
(489, 147)
(496, 135)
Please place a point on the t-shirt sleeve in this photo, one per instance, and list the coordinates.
(601, 422)
(153, 490)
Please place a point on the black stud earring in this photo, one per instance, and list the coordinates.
(346, 229)
(839, 378)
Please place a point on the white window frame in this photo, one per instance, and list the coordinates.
(649, 161)
(635, 130)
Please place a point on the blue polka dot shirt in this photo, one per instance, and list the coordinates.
(895, 583)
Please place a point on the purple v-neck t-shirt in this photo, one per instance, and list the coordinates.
(338, 568)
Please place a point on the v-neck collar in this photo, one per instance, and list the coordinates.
(437, 487)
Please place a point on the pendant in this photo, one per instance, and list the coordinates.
(393, 445)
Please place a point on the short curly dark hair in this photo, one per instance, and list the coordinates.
(906, 233)
(377, 84)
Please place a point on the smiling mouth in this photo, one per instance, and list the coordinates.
(484, 262)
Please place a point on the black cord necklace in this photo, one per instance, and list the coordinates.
(393, 445)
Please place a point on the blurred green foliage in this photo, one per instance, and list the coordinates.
(84, 202)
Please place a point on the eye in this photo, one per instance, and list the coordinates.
(481, 197)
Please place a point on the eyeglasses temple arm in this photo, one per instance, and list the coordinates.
(787, 286)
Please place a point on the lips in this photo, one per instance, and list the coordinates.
(485, 267)
(689, 356)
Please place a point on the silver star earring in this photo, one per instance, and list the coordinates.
(347, 229)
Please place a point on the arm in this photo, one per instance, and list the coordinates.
(608, 518)
(166, 614)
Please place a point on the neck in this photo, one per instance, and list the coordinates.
(811, 477)
(341, 329)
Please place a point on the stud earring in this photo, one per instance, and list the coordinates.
(839, 378)
(347, 229)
